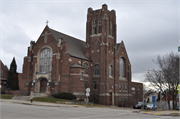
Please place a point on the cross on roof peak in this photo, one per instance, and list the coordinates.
(47, 22)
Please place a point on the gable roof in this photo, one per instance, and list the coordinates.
(118, 46)
(75, 47)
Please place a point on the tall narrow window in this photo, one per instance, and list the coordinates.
(122, 86)
(119, 87)
(110, 70)
(92, 45)
(94, 27)
(96, 69)
(100, 26)
(98, 45)
(53, 83)
(81, 75)
(139, 90)
(110, 28)
(45, 60)
(133, 89)
(109, 46)
(85, 84)
(121, 67)
(125, 87)
(1, 73)
(94, 85)
(85, 65)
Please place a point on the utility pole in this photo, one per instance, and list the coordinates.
(160, 92)
(179, 76)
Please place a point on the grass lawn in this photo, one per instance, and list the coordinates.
(6, 96)
(49, 99)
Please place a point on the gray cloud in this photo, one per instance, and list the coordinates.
(148, 28)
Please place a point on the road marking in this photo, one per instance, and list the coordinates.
(8, 101)
(157, 113)
(145, 112)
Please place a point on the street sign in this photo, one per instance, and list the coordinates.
(87, 90)
(179, 48)
(154, 101)
(179, 88)
(87, 94)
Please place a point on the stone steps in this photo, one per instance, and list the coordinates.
(29, 97)
(22, 97)
(38, 95)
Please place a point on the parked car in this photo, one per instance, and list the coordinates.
(150, 106)
(177, 108)
(139, 105)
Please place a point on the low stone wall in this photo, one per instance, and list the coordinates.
(13, 92)
(82, 103)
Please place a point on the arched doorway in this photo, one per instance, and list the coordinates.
(43, 85)
(110, 98)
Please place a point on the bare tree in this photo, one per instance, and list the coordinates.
(166, 76)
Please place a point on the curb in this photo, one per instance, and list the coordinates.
(161, 114)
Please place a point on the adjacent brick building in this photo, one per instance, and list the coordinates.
(3, 74)
(57, 62)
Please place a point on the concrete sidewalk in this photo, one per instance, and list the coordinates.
(38, 103)
(150, 112)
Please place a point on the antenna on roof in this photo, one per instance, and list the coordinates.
(47, 22)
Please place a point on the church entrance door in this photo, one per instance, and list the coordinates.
(43, 84)
(110, 98)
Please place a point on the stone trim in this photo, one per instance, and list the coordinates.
(104, 94)
(111, 36)
(123, 94)
(75, 74)
(122, 78)
(78, 93)
(95, 35)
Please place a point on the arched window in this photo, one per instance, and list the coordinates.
(110, 70)
(100, 26)
(96, 69)
(110, 28)
(45, 60)
(94, 27)
(92, 45)
(121, 67)
(85, 65)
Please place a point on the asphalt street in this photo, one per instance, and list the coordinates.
(12, 110)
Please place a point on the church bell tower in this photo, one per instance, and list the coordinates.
(101, 48)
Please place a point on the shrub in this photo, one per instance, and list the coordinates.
(3, 92)
(64, 95)
(81, 100)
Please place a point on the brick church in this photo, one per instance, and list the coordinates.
(58, 62)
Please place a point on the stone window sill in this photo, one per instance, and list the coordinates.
(96, 76)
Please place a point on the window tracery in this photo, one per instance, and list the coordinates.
(45, 60)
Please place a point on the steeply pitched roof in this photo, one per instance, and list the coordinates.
(118, 46)
(75, 47)
(75, 65)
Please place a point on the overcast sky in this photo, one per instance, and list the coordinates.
(148, 28)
